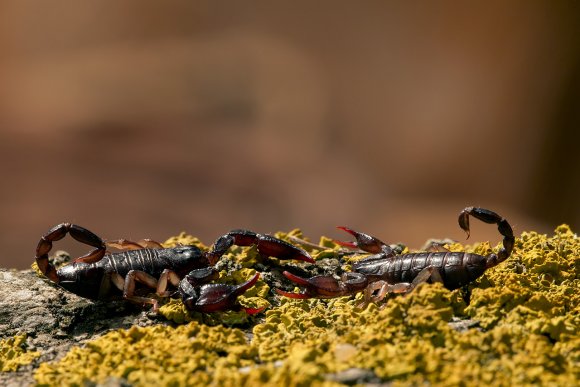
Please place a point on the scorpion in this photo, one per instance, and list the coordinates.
(385, 272)
(101, 275)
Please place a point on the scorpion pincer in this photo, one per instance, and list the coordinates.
(100, 275)
(385, 272)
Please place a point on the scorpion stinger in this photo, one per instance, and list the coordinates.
(384, 272)
(503, 227)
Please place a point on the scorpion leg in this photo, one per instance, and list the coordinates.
(326, 286)
(167, 276)
(57, 233)
(503, 227)
(428, 273)
(266, 244)
(214, 297)
(437, 245)
(193, 279)
(366, 242)
(124, 244)
(148, 280)
(85, 236)
(378, 290)
(127, 285)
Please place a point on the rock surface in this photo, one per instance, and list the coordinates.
(517, 324)
(54, 320)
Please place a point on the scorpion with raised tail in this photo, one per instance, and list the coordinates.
(385, 272)
(100, 275)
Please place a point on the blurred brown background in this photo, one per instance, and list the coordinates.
(144, 118)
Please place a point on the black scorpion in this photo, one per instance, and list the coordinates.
(385, 272)
(102, 276)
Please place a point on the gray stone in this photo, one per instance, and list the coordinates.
(54, 320)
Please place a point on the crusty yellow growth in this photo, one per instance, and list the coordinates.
(159, 355)
(13, 353)
(528, 333)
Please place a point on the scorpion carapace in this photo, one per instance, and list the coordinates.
(102, 275)
(385, 272)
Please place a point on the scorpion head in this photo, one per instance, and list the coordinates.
(183, 259)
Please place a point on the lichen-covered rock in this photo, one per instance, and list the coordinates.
(13, 353)
(40, 322)
(160, 355)
(519, 324)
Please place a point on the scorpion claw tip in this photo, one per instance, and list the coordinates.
(296, 279)
(248, 284)
(252, 311)
(346, 229)
(352, 245)
(284, 293)
(307, 258)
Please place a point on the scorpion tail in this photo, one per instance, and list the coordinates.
(46, 267)
(503, 227)
(45, 245)
(57, 233)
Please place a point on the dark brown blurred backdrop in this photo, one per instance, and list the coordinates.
(143, 118)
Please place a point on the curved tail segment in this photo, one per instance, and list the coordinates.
(58, 232)
(503, 227)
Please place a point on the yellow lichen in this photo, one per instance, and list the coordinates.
(13, 353)
(160, 355)
(525, 330)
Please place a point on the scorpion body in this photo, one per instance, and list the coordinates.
(455, 269)
(102, 276)
(93, 280)
(385, 272)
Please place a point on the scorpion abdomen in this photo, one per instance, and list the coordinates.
(181, 259)
(468, 268)
(455, 268)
